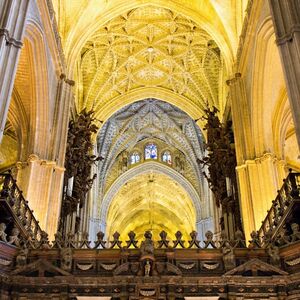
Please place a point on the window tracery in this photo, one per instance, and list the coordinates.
(151, 151)
(167, 157)
(135, 158)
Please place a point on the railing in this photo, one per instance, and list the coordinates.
(82, 241)
(13, 202)
(281, 208)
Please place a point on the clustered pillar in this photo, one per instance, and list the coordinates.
(12, 26)
(40, 178)
(259, 177)
(286, 21)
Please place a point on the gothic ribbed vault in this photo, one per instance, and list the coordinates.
(123, 191)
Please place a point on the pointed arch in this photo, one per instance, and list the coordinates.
(145, 168)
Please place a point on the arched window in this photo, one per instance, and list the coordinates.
(134, 158)
(167, 158)
(151, 151)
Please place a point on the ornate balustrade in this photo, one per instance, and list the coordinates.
(68, 269)
(167, 268)
(281, 223)
(17, 220)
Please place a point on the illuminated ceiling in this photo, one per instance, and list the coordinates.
(154, 119)
(122, 51)
(151, 202)
(149, 47)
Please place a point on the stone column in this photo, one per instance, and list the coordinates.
(35, 179)
(41, 179)
(12, 26)
(243, 146)
(286, 20)
(258, 178)
(241, 119)
(64, 101)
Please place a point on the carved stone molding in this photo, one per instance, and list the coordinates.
(66, 80)
(288, 37)
(10, 40)
(233, 80)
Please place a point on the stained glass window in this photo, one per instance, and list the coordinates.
(134, 158)
(167, 158)
(151, 151)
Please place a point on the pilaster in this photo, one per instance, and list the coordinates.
(240, 118)
(64, 100)
(12, 26)
(35, 179)
(259, 179)
(286, 20)
(41, 179)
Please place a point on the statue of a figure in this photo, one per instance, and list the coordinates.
(44, 242)
(147, 246)
(66, 259)
(179, 163)
(21, 258)
(14, 238)
(295, 236)
(147, 268)
(228, 256)
(273, 252)
(2, 232)
(124, 161)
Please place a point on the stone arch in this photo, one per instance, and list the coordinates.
(39, 104)
(162, 94)
(268, 86)
(144, 168)
(19, 120)
(284, 135)
(281, 120)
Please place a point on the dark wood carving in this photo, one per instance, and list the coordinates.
(79, 160)
(221, 163)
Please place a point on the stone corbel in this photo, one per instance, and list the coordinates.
(32, 158)
(233, 80)
(59, 168)
(43, 162)
(10, 40)
(271, 156)
(289, 36)
(48, 163)
(66, 80)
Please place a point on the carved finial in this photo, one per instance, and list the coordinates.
(116, 240)
(163, 242)
(194, 241)
(132, 241)
(100, 241)
(178, 241)
(209, 240)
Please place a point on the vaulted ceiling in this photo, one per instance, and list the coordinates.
(149, 47)
(153, 119)
(122, 51)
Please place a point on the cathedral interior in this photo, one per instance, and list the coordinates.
(149, 149)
